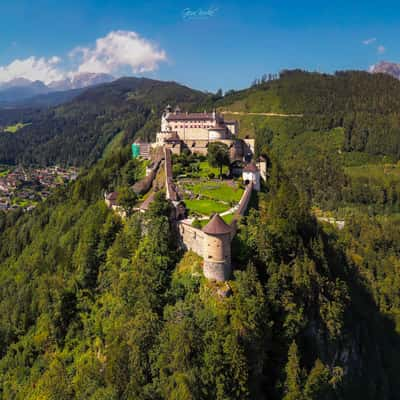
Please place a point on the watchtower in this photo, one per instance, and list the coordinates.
(217, 250)
(251, 174)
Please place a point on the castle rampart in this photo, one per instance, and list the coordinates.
(191, 238)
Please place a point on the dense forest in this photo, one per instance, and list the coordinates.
(78, 132)
(366, 105)
(93, 306)
(100, 308)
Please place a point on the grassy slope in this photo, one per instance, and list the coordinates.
(16, 127)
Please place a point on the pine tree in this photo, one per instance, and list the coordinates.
(293, 371)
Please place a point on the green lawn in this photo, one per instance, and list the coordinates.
(216, 191)
(4, 172)
(206, 207)
(206, 169)
(377, 172)
(15, 128)
(227, 218)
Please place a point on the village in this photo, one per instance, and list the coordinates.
(209, 197)
(23, 188)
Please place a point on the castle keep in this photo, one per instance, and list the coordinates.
(195, 131)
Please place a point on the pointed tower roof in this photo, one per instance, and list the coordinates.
(217, 226)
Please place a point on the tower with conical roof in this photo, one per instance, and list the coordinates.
(217, 250)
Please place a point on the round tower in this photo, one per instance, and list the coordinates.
(217, 250)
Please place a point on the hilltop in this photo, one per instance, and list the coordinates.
(97, 306)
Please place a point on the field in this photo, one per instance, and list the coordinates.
(216, 190)
(376, 172)
(206, 206)
(249, 125)
(4, 171)
(15, 128)
(202, 191)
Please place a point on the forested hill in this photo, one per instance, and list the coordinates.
(94, 307)
(77, 133)
(366, 105)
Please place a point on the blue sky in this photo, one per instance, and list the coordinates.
(237, 42)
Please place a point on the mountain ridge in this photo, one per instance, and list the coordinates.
(386, 67)
(20, 89)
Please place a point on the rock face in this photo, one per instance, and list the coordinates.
(386, 67)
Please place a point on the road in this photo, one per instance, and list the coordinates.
(263, 114)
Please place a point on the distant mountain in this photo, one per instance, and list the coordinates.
(23, 90)
(81, 80)
(19, 89)
(17, 82)
(78, 132)
(51, 99)
(386, 67)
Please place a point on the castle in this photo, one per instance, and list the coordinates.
(194, 131)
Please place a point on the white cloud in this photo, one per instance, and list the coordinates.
(32, 68)
(113, 54)
(369, 41)
(117, 50)
(381, 49)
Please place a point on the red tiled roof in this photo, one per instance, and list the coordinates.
(250, 168)
(217, 226)
(112, 196)
(190, 116)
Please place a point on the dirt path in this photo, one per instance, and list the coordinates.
(263, 114)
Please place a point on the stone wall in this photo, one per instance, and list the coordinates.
(243, 205)
(217, 271)
(170, 188)
(245, 199)
(191, 238)
(144, 185)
